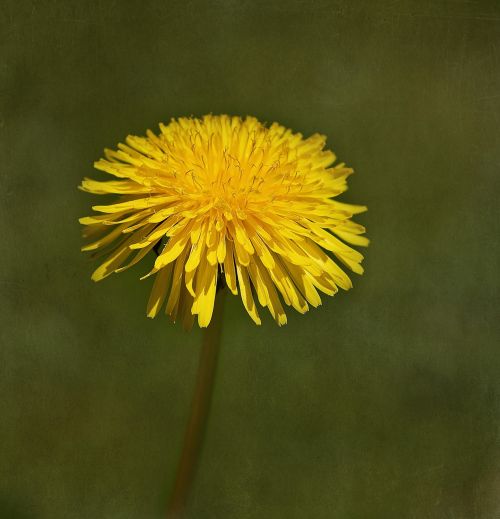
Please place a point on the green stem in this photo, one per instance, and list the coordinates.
(200, 408)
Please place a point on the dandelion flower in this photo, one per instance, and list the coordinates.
(225, 199)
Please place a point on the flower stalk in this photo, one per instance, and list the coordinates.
(200, 407)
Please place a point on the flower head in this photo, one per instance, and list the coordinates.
(221, 198)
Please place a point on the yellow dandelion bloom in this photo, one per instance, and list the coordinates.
(226, 199)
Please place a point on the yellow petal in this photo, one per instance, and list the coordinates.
(175, 289)
(175, 246)
(112, 263)
(273, 300)
(246, 293)
(141, 254)
(205, 296)
(221, 247)
(108, 238)
(304, 284)
(138, 203)
(159, 290)
(229, 270)
(124, 187)
(355, 239)
(185, 303)
(197, 250)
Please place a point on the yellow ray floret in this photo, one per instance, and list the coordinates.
(226, 200)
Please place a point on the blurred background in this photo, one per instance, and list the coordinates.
(384, 402)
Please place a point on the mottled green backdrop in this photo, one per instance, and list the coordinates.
(383, 403)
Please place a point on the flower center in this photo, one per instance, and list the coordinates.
(222, 203)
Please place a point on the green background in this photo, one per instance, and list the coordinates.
(384, 402)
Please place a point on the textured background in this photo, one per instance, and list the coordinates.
(385, 402)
